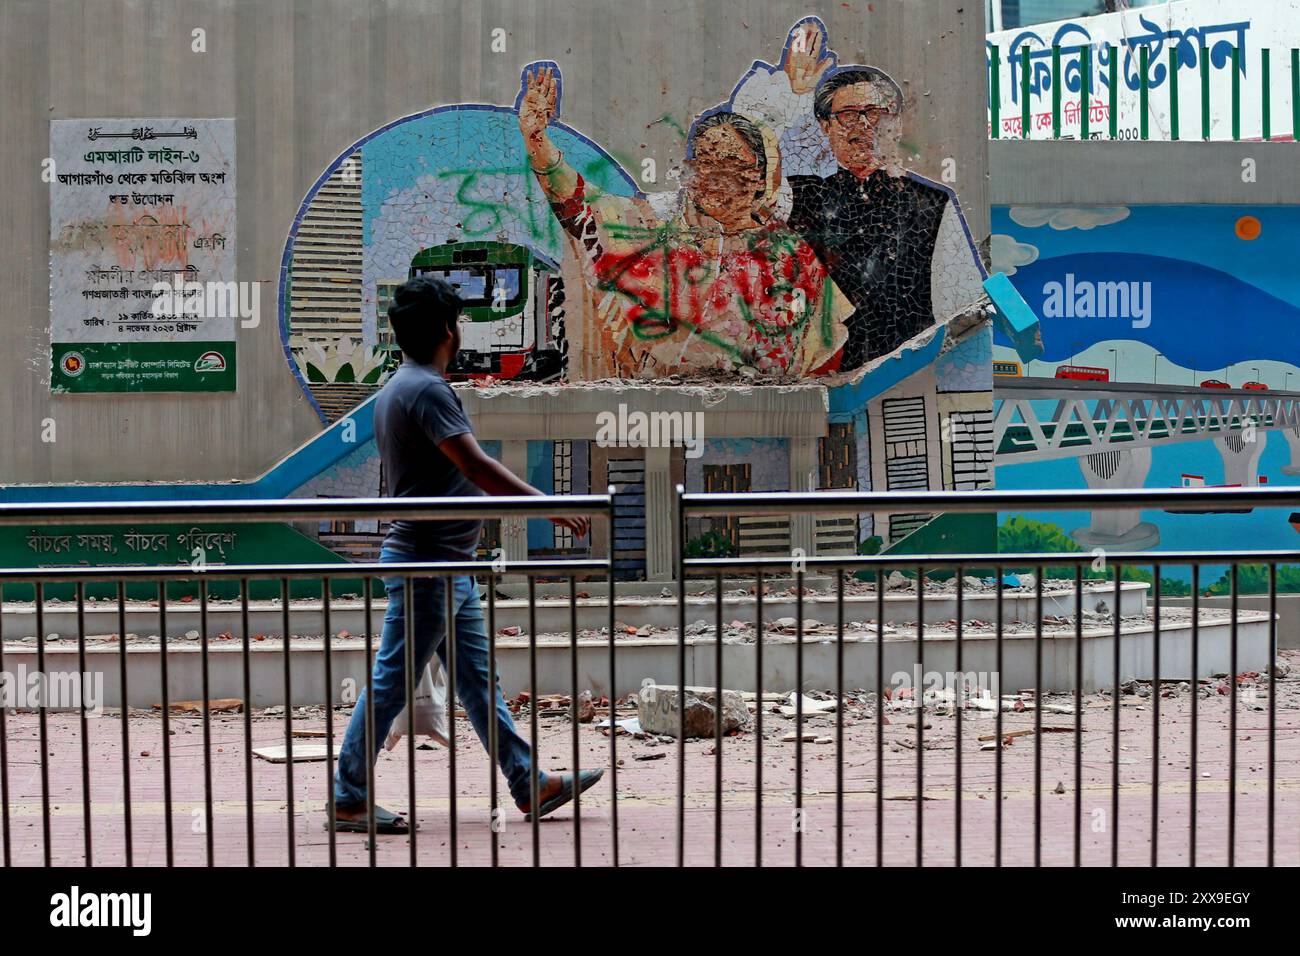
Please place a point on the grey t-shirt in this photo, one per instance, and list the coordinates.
(415, 412)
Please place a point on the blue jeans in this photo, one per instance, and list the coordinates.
(474, 685)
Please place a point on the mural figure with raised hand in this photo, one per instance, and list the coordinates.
(706, 280)
(893, 241)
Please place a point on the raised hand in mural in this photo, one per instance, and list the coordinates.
(805, 57)
(537, 105)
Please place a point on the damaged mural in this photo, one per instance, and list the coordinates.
(796, 251)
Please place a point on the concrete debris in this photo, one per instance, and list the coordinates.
(632, 725)
(810, 706)
(659, 710)
(224, 705)
(302, 753)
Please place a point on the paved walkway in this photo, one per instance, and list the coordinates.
(647, 792)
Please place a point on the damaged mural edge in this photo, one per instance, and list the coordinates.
(796, 251)
(798, 266)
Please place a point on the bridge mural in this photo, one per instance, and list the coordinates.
(1169, 359)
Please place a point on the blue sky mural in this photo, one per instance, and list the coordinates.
(1220, 298)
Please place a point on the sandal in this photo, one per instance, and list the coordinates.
(586, 780)
(386, 822)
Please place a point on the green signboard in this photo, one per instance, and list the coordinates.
(143, 367)
(192, 545)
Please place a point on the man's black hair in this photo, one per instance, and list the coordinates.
(852, 76)
(741, 124)
(423, 313)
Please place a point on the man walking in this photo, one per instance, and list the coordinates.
(428, 449)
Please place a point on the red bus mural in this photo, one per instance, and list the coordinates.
(1083, 373)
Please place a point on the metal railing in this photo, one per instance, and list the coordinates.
(1092, 107)
(880, 503)
(796, 654)
(139, 514)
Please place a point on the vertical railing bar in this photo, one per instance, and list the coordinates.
(798, 718)
(717, 720)
(371, 825)
(44, 708)
(1038, 715)
(1155, 721)
(995, 93)
(1085, 89)
(613, 678)
(1173, 94)
(1078, 715)
(248, 721)
(1236, 93)
(166, 718)
(4, 749)
(1295, 94)
(207, 720)
(1204, 63)
(1115, 701)
(1272, 705)
(577, 757)
(495, 812)
(1024, 92)
(329, 719)
(997, 718)
(534, 800)
(286, 634)
(1265, 104)
(85, 741)
(918, 699)
(126, 727)
(681, 675)
(1056, 91)
(1144, 94)
(449, 589)
(408, 601)
(880, 714)
(959, 701)
(758, 719)
(1196, 693)
(1232, 722)
(839, 716)
(1112, 65)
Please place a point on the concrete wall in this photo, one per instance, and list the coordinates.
(1101, 173)
(1210, 231)
(303, 80)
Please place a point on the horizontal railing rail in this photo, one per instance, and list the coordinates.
(1133, 644)
(981, 502)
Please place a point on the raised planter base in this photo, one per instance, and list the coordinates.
(639, 659)
(307, 618)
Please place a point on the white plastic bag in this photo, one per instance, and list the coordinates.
(430, 708)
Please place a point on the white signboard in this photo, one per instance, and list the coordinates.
(1193, 30)
(137, 205)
